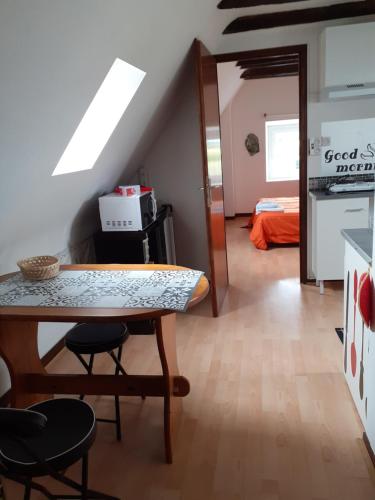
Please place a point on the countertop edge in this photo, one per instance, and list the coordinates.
(356, 245)
(321, 195)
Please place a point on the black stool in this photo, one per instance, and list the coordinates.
(90, 338)
(44, 440)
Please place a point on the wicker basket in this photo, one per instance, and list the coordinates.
(41, 267)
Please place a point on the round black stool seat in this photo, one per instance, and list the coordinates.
(67, 436)
(93, 338)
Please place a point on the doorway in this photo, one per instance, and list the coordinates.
(275, 63)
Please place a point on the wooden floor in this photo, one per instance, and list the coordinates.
(269, 416)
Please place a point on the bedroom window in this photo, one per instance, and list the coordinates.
(282, 150)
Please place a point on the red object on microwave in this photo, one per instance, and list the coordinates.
(130, 190)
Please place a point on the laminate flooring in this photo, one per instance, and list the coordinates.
(269, 415)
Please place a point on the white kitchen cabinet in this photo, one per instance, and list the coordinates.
(359, 345)
(329, 217)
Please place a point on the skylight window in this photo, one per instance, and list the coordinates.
(101, 118)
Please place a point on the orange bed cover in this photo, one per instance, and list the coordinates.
(276, 227)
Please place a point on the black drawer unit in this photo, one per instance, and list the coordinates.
(155, 244)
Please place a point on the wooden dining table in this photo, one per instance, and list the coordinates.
(30, 382)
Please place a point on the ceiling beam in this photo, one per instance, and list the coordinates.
(261, 63)
(274, 67)
(287, 50)
(275, 75)
(235, 4)
(266, 59)
(301, 16)
(255, 73)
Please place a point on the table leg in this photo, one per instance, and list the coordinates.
(19, 349)
(166, 339)
(31, 383)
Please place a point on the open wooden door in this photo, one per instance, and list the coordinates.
(212, 172)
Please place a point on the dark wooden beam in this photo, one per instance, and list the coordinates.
(255, 73)
(302, 16)
(287, 50)
(265, 57)
(235, 4)
(276, 75)
(275, 67)
(269, 64)
(260, 60)
(266, 61)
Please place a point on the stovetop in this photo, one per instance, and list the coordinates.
(351, 187)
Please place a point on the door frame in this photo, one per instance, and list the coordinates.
(301, 52)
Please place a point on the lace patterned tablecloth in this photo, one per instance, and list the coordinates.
(139, 289)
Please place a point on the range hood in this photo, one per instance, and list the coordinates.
(348, 61)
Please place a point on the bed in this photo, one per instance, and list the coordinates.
(276, 227)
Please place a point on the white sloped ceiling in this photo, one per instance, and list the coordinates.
(230, 82)
(53, 57)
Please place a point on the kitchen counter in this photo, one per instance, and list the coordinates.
(319, 194)
(359, 345)
(329, 216)
(361, 241)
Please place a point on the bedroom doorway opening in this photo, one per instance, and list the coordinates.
(263, 121)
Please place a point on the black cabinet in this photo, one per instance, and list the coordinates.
(155, 244)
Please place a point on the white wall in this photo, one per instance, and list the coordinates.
(275, 97)
(173, 166)
(321, 112)
(230, 81)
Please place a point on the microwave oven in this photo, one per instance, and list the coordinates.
(127, 213)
